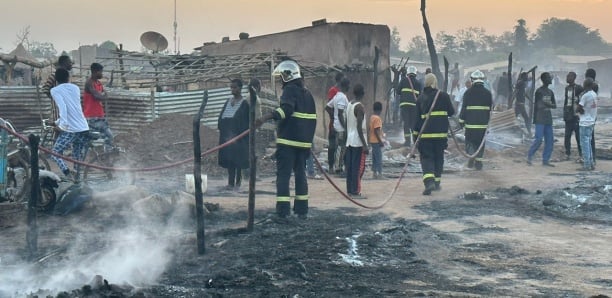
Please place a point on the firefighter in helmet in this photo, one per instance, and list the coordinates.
(409, 89)
(474, 117)
(297, 119)
(434, 133)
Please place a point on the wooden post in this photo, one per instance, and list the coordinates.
(252, 158)
(431, 47)
(511, 92)
(153, 116)
(272, 80)
(32, 233)
(376, 58)
(445, 86)
(121, 68)
(197, 175)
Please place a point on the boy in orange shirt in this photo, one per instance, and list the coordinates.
(375, 138)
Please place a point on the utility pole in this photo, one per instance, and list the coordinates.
(175, 25)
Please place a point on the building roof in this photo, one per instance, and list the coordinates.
(575, 59)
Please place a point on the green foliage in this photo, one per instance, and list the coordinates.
(395, 43)
(473, 45)
(557, 33)
(43, 50)
(108, 45)
(417, 48)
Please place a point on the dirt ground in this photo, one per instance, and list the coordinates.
(509, 230)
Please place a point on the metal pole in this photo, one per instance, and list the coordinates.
(252, 158)
(32, 233)
(197, 175)
(272, 81)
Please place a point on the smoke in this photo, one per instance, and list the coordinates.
(124, 248)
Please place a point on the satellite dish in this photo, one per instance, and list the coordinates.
(154, 41)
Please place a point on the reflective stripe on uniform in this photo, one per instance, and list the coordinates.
(438, 179)
(478, 108)
(283, 199)
(304, 115)
(461, 120)
(428, 175)
(293, 143)
(410, 90)
(407, 104)
(435, 113)
(475, 126)
(301, 197)
(281, 112)
(433, 135)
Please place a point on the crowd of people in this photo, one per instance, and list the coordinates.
(424, 110)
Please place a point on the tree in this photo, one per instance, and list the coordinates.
(520, 37)
(558, 33)
(23, 37)
(447, 42)
(417, 48)
(43, 50)
(108, 45)
(395, 43)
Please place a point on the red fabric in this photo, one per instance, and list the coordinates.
(93, 108)
(332, 92)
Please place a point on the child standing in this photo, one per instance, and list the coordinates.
(375, 138)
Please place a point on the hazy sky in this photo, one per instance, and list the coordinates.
(68, 23)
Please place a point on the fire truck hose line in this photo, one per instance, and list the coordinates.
(149, 169)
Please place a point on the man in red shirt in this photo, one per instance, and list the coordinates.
(94, 97)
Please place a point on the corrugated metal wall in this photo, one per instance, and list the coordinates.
(125, 110)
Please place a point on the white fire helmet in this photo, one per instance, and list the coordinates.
(412, 70)
(288, 70)
(477, 77)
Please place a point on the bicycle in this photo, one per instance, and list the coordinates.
(96, 155)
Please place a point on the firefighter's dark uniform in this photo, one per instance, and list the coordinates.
(409, 89)
(434, 136)
(297, 119)
(474, 116)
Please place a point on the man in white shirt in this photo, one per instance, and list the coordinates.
(459, 96)
(339, 103)
(356, 144)
(587, 108)
(71, 121)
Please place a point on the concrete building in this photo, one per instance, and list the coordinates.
(349, 47)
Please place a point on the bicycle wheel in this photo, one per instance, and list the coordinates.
(92, 174)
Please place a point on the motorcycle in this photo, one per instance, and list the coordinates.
(15, 182)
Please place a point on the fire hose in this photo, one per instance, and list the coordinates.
(236, 138)
(149, 169)
(404, 170)
(463, 152)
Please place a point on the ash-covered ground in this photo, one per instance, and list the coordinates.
(510, 230)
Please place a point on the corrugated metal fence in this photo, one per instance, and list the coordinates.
(125, 110)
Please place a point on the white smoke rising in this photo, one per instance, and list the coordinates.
(132, 258)
(137, 253)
